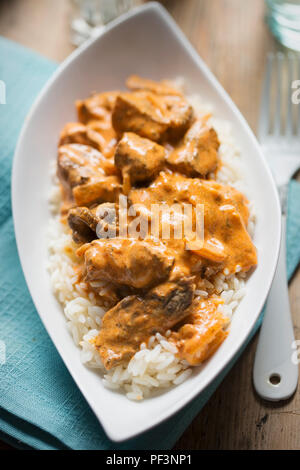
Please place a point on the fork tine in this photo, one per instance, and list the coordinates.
(264, 120)
(277, 110)
(289, 114)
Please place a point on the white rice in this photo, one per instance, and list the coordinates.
(155, 366)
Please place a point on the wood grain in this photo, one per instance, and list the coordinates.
(42, 25)
(230, 35)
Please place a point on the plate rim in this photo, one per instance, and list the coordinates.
(156, 7)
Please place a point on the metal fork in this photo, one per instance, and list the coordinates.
(275, 375)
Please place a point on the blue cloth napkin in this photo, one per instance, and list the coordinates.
(40, 405)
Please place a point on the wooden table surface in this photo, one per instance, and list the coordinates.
(230, 35)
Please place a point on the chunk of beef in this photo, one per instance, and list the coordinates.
(139, 159)
(202, 333)
(97, 134)
(78, 164)
(156, 117)
(105, 189)
(88, 224)
(97, 107)
(74, 133)
(198, 153)
(140, 264)
(103, 136)
(86, 175)
(135, 319)
(164, 87)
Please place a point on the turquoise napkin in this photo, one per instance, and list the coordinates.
(40, 405)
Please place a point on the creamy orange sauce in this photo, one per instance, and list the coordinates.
(139, 159)
(148, 144)
(135, 328)
(197, 154)
(202, 332)
(226, 239)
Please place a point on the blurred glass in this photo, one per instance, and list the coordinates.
(283, 18)
(90, 16)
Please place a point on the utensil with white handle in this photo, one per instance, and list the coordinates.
(275, 375)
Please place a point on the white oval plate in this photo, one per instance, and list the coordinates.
(146, 42)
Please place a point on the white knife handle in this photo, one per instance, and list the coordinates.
(274, 359)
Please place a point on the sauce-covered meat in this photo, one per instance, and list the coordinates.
(100, 189)
(150, 145)
(157, 117)
(86, 175)
(135, 263)
(138, 158)
(98, 107)
(97, 134)
(160, 88)
(197, 154)
(202, 333)
(75, 133)
(95, 114)
(88, 224)
(135, 319)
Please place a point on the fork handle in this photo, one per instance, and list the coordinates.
(274, 359)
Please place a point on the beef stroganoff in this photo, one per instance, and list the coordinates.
(146, 309)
